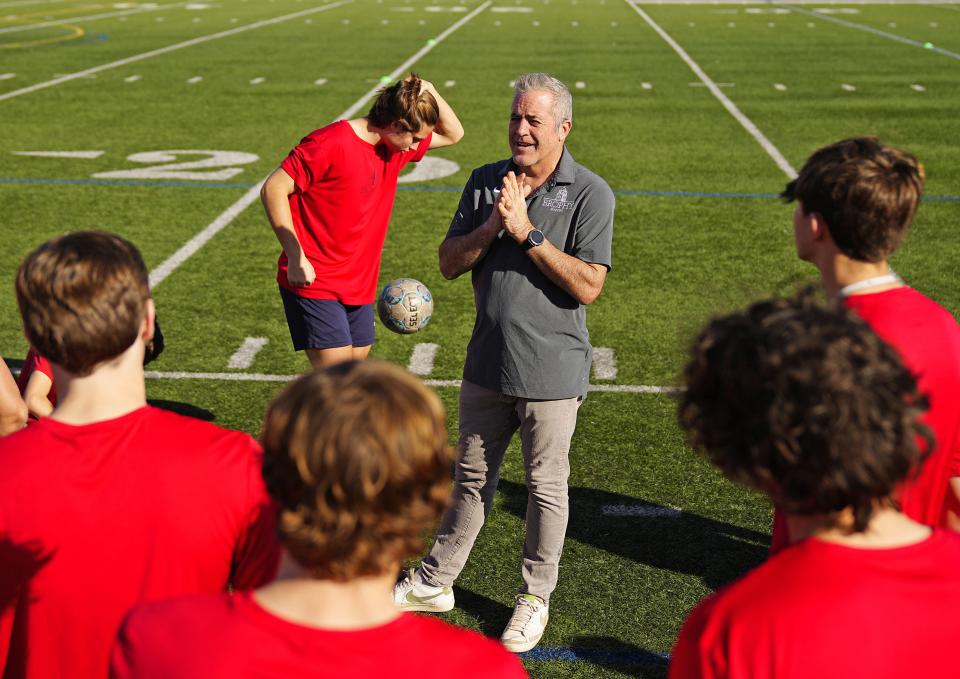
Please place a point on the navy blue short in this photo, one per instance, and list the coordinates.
(326, 323)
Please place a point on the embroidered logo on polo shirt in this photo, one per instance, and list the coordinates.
(560, 203)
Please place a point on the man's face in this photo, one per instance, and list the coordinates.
(534, 135)
(398, 139)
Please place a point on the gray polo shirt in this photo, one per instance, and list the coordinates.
(530, 338)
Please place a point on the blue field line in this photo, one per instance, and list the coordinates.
(599, 656)
(401, 187)
(124, 182)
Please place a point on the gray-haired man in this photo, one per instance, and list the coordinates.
(535, 230)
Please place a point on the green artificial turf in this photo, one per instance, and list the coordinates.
(698, 228)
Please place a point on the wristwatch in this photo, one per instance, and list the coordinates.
(534, 238)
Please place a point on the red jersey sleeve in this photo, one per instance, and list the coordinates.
(33, 362)
(257, 555)
(309, 160)
(691, 658)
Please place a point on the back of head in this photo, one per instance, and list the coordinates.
(82, 298)
(356, 456)
(805, 403)
(543, 82)
(403, 103)
(867, 194)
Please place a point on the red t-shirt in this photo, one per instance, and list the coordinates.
(825, 610)
(34, 362)
(233, 636)
(344, 193)
(928, 340)
(97, 518)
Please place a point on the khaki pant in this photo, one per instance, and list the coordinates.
(488, 421)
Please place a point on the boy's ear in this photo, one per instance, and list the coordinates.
(149, 318)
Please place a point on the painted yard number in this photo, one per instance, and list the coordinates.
(192, 169)
(218, 166)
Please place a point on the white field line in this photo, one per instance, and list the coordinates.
(243, 357)
(642, 511)
(421, 361)
(83, 155)
(604, 363)
(190, 247)
(28, 2)
(875, 31)
(261, 377)
(747, 124)
(169, 48)
(91, 17)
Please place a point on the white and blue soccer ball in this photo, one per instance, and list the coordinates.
(405, 306)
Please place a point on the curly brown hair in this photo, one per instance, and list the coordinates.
(357, 458)
(805, 403)
(867, 194)
(403, 103)
(82, 297)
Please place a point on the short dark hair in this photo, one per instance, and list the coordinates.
(403, 103)
(804, 402)
(82, 297)
(358, 460)
(867, 194)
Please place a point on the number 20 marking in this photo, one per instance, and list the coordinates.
(196, 170)
(184, 170)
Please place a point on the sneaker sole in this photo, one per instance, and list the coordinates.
(427, 608)
(520, 647)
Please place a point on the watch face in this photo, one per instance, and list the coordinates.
(535, 238)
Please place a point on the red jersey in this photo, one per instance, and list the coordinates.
(928, 340)
(826, 610)
(34, 362)
(233, 636)
(96, 518)
(344, 193)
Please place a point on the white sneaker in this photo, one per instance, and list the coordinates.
(526, 626)
(412, 594)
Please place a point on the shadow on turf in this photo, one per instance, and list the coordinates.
(491, 615)
(715, 551)
(187, 409)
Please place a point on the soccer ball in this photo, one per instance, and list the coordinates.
(405, 305)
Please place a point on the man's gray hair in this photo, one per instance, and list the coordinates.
(542, 82)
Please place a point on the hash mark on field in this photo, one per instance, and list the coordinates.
(918, 88)
(320, 81)
(48, 21)
(646, 86)
(780, 87)
(132, 78)
(195, 79)
(257, 81)
(7, 76)
(421, 362)
(91, 72)
(821, 15)
(848, 87)
(580, 84)
(243, 357)
(745, 122)
(604, 363)
(450, 83)
(642, 511)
